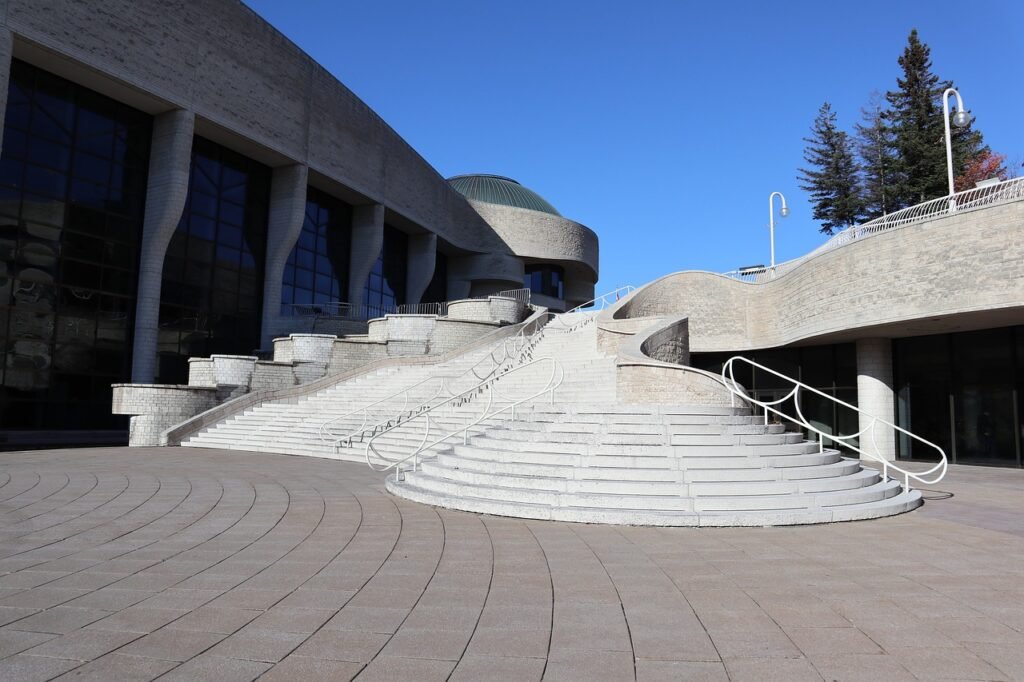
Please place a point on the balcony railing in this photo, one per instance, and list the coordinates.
(968, 200)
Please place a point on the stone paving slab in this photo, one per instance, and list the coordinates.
(172, 563)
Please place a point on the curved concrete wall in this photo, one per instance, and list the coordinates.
(543, 236)
(958, 272)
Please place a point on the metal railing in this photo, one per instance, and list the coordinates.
(360, 312)
(430, 415)
(483, 369)
(867, 433)
(439, 308)
(337, 310)
(968, 200)
(523, 345)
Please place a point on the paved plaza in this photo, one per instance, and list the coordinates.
(173, 563)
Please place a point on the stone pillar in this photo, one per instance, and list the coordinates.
(421, 259)
(169, 164)
(875, 395)
(6, 49)
(287, 212)
(367, 241)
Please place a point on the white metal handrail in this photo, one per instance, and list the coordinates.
(523, 356)
(394, 416)
(490, 411)
(870, 429)
(968, 200)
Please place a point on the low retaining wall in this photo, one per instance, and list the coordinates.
(650, 368)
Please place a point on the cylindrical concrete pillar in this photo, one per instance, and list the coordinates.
(170, 160)
(875, 396)
(287, 212)
(367, 241)
(420, 262)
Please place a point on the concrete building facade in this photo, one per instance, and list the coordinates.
(175, 178)
(920, 324)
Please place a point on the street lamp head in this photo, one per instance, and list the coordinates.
(784, 211)
(961, 118)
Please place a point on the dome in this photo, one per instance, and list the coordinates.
(495, 189)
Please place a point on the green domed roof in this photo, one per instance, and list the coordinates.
(495, 189)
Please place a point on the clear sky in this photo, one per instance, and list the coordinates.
(663, 126)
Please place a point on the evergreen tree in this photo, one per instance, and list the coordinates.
(875, 147)
(831, 178)
(915, 116)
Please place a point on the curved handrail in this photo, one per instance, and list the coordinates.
(327, 435)
(769, 406)
(553, 382)
(529, 335)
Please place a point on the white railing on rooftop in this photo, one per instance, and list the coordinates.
(864, 442)
(968, 200)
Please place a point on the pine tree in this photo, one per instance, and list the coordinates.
(875, 147)
(832, 177)
(915, 116)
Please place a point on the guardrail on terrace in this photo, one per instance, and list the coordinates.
(968, 200)
(360, 312)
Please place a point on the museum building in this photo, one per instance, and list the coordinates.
(175, 183)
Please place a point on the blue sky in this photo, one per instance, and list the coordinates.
(664, 126)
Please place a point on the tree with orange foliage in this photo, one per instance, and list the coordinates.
(987, 164)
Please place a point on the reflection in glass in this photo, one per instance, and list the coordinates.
(72, 190)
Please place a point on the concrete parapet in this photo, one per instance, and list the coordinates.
(501, 309)
(267, 375)
(156, 407)
(650, 368)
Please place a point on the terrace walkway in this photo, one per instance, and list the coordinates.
(208, 564)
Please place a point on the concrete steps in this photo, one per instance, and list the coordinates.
(581, 455)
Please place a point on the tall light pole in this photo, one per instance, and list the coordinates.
(960, 119)
(784, 211)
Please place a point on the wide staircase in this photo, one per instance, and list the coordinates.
(544, 437)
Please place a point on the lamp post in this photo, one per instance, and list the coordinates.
(960, 119)
(784, 211)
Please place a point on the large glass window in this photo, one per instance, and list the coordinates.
(213, 273)
(72, 191)
(547, 280)
(317, 269)
(962, 392)
(385, 288)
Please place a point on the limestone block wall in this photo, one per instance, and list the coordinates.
(156, 408)
(200, 372)
(966, 264)
(271, 374)
(500, 309)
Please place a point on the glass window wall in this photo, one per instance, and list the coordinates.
(72, 192)
(317, 269)
(212, 291)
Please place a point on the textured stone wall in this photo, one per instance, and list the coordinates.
(200, 372)
(542, 236)
(157, 407)
(271, 375)
(969, 264)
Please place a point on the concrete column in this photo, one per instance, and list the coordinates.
(170, 159)
(287, 211)
(875, 395)
(367, 241)
(421, 259)
(6, 49)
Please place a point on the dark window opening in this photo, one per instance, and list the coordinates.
(317, 269)
(72, 193)
(547, 280)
